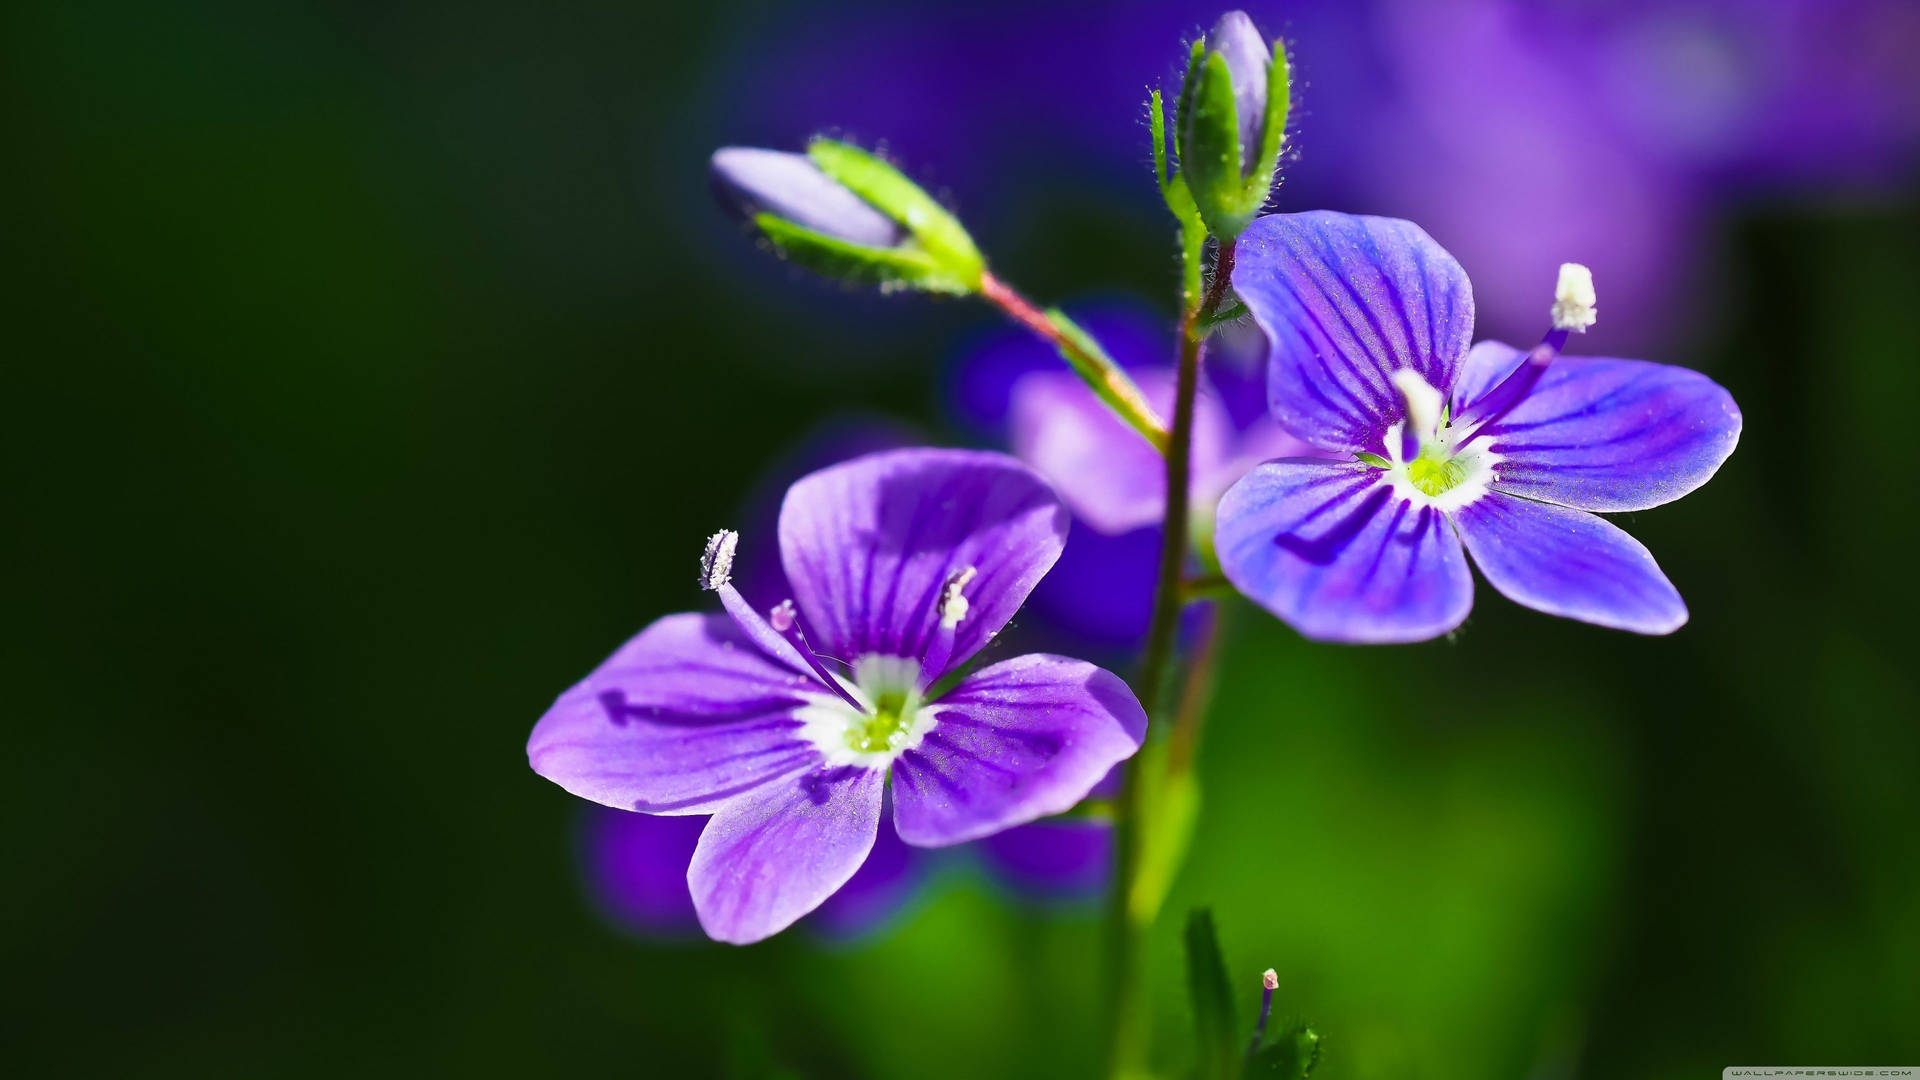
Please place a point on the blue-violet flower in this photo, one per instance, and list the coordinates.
(787, 726)
(1504, 449)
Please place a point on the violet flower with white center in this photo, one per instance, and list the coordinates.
(787, 727)
(1504, 450)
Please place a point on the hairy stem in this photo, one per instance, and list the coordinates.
(1084, 355)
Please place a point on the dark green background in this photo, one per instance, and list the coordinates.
(372, 372)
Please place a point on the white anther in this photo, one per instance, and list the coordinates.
(716, 563)
(1270, 979)
(953, 606)
(1574, 302)
(1423, 403)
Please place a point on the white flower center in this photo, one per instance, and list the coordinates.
(893, 721)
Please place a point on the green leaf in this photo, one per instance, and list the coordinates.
(1292, 1055)
(1210, 150)
(936, 232)
(1374, 460)
(905, 267)
(1212, 998)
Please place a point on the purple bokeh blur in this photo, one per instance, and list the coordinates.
(1519, 134)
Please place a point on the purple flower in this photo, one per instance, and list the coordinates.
(787, 727)
(1503, 449)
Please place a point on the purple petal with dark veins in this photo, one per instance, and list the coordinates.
(1020, 740)
(1570, 563)
(1608, 435)
(1345, 302)
(1058, 859)
(682, 718)
(1113, 479)
(769, 857)
(869, 543)
(1336, 553)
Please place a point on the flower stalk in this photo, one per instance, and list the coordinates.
(1128, 919)
(1091, 362)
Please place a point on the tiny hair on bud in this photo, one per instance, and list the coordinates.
(716, 562)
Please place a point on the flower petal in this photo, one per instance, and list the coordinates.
(1337, 553)
(869, 543)
(1113, 479)
(1345, 302)
(1017, 741)
(1569, 562)
(1058, 859)
(1611, 435)
(682, 718)
(877, 892)
(769, 857)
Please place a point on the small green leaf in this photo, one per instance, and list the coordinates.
(1292, 1055)
(938, 233)
(1212, 998)
(1374, 460)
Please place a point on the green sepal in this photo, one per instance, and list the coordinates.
(1196, 56)
(937, 233)
(1210, 150)
(906, 267)
(1292, 1055)
(1212, 996)
(1274, 135)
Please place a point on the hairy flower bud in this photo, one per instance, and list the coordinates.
(752, 181)
(1232, 120)
(846, 213)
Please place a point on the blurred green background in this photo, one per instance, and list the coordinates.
(375, 370)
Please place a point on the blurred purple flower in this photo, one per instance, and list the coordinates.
(1505, 450)
(904, 564)
(1009, 385)
(634, 869)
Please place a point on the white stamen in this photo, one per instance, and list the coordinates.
(716, 563)
(1423, 403)
(1270, 979)
(953, 606)
(1574, 302)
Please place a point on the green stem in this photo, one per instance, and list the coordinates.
(1084, 355)
(1127, 922)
